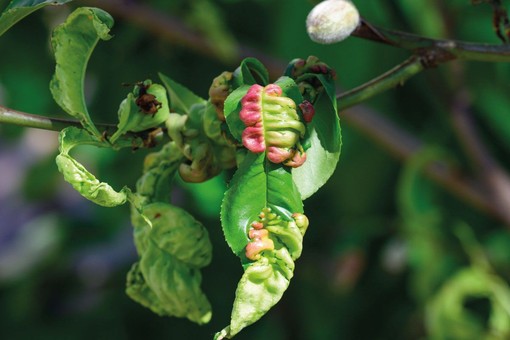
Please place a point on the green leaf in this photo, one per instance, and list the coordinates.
(260, 288)
(88, 185)
(251, 71)
(325, 141)
(172, 248)
(73, 43)
(181, 98)
(232, 109)
(159, 170)
(18, 9)
(80, 178)
(257, 184)
(131, 115)
(276, 243)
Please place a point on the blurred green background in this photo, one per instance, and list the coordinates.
(388, 255)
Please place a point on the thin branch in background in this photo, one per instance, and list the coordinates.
(404, 145)
(495, 178)
(444, 49)
(391, 79)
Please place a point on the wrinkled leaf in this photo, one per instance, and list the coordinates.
(159, 170)
(167, 278)
(260, 288)
(73, 43)
(80, 178)
(290, 89)
(178, 233)
(274, 246)
(257, 184)
(88, 185)
(18, 9)
(133, 118)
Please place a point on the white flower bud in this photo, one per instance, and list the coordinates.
(332, 21)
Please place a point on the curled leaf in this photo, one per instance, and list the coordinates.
(167, 278)
(73, 43)
(206, 153)
(80, 178)
(159, 169)
(145, 108)
(88, 185)
(272, 125)
(219, 91)
(274, 244)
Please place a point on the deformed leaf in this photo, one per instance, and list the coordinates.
(169, 287)
(18, 9)
(275, 244)
(88, 185)
(178, 233)
(80, 178)
(73, 43)
(260, 288)
(257, 184)
(167, 278)
(159, 170)
(145, 108)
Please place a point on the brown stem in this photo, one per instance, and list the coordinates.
(403, 146)
(445, 49)
(495, 178)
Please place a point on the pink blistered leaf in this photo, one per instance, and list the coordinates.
(253, 138)
(260, 241)
(257, 234)
(273, 90)
(297, 160)
(278, 155)
(251, 111)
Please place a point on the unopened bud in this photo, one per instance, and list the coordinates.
(332, 21)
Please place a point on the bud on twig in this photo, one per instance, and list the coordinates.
(332, 21)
